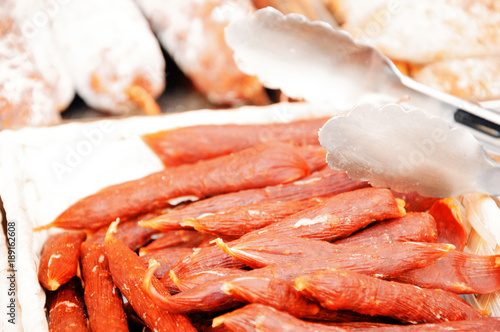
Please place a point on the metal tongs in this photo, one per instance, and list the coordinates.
(408, 151)
(318, 63)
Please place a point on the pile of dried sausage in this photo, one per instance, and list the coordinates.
(266, 238)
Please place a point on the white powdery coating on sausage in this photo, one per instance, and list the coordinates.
(52, 69)
(470, 78)
(181, 31)
(51, 258)
(190, 31)
(309, 181)
(67, 304)
(255, 213)
(181, 199)
(208, 214)
(308, 222)
(428, 30)
(32, 17)
(22, 90)
(111, 42)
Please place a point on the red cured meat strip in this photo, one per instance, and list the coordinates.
(102, 299)
(340, 215)
(324, 182)
(255, 167)
(261, 318)
(191, 144)
(345, 290)
(60, 259)
(260, 251)
(67, 309)
(128, 272)
(417, 227)
(458, 272)
(240, 220)
(449, 223)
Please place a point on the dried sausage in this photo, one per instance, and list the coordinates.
(261, 318)
(338, 289)
(204, 297)
(260, 251)
(209, 141)
(449, 222)
(183, 238)
(272, 292)
(239, 220)
(193, 34)
(340, 215)
(414, 226)
(60, 259)
(128, 273)
(458, 272)
(254, 167)
(112, 55)
(102, 298)
(25, 97)
(321, 183)
(167, 258)
(67, 309)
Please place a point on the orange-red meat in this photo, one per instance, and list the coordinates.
(449, 223)
(184, 238)
(261, 318)
(382, 260)
(255, 167)
(340, 215)
(409, 255)
(240, 220)
(128, 273)
(321, 183)
(205, 259)
(60, 259)
(345, 290)
(260, 251)
(415, 226)
(458, 272)
(201, 277)
(131, 233)
(272, 292)
(102, 299)
(282, 295)
(315, 155)
(188, 145)
(204, 297)
(167, 258)
(415, 202)
(66, 308)
(486, 324)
